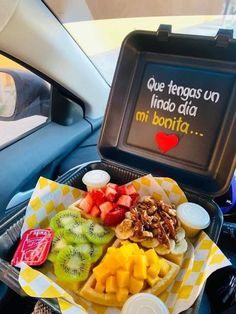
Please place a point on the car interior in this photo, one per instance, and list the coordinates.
(65, 77)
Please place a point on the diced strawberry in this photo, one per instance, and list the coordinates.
(105, 208)
(86, 203)
(111, 194)
(98, 196)
(95, 211)
(122, 190)
(112, 185)
(124, 200)
(131, 189)
(114, 217)
(134, 197)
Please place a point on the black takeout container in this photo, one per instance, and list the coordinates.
(171, 112)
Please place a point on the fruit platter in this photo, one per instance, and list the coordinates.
(114, 242)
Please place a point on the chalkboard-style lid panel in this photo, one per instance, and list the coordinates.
(171, 109)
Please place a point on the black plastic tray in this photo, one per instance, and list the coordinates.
(119, 175)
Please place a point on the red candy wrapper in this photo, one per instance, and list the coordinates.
(34, 247)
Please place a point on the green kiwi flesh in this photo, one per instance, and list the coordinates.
(94, 251)
(65, 218)
(97, 233)
(59, 242)
(74, 233)
(72, 265)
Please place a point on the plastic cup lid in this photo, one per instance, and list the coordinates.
(193, 215)
(144, 303)
(96, 178)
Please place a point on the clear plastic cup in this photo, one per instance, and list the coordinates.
(193, 218)
(144, 303)
(96, 179)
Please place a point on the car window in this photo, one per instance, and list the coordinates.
(99, 27)
(24, 101)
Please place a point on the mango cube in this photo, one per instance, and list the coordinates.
(152, 281)
(99, 287)
(135, 285)
(152, 257)
(111, 285)
(140, 267)
(164, 268)
(153, 270)
(101, 273)
(122, 294)
(122, 277)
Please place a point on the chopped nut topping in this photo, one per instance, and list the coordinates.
(153, 218)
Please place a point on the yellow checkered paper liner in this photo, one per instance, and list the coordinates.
(48, 198)
(36, 284)
(200, 261)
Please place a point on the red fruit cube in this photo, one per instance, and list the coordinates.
(105, 208)
(98, 196)
(122, 190)
(125, 200)
(134, 198)
(114, 217)
(112, 185)
(95, 211)
(86, 203)
(111, 194)
(131, 189)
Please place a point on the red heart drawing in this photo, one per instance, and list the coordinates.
(166, 141)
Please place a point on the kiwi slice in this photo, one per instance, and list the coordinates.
(59, 242)
(72, 265)
(96, 233)
(65, 218)
(74, 233)
(94, 251)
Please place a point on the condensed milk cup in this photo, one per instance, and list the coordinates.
(144, 303)
(96, 179)
(193, 218)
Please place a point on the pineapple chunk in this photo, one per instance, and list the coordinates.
(99, 287)
(122, 294)
(152, 257)
(111, 285)
(153, 270)
(122, 277)
(135, 285)
(164, 268)
(152, 281)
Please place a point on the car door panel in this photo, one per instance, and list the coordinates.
(28, 158)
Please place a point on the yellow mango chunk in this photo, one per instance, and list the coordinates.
(153, 270)
(129, 249)
(122, 294)
(152, 281)
(135, 285)
(164, 268)
(152, 257)
(140, 267)
(101, 273)
(111, 285)
(99, 287)
(140, 272)
(122, 277)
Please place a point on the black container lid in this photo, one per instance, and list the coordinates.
(171, 110)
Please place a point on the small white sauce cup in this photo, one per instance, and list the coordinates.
(193, 218)
(144, 303)
(96, 179)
